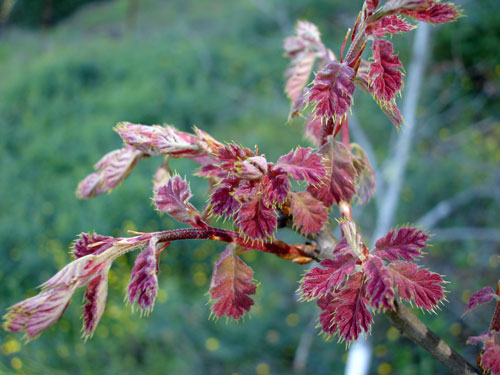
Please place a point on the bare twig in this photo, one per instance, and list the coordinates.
(304, 346)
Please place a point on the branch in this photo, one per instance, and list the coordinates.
(408, 324)
(304, 346)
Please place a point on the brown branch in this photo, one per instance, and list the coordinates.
(413, 328)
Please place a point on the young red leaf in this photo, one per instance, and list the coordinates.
(38, 313)
(420, 284)
(406, 242)
(346, 312)
(143, 284)
(252, 168)
(95, 296)
(435, 12)
(173, 198)
(319, 282)
(222, 200)
(390, 109)
(309, 214)
(489, 359)
(112, 169)
(303, 49)
(379, 288)
(231, 285)
(303, 165)
(338, 184)
(385, 74)
(230, 154)
(256, 220)
(389, 25)
(92, 244)
(158, 140)
(365, 176)
(332, 91)
(484, 295)
(275, 186)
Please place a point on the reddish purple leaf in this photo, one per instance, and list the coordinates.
(303, 165)
(303, 49)
(275, 186)
(406, 242)
(389, 25)
(173, 198)
(379, 288)
(385, 74)
(95, 296)
(309, 214)
(420, 284)
(112, 169)
(319, 282)
(390, 109)
(338, 184)
(158, 140)
(256, 220)
(38, 313)
(346, 313)
(252, 168)
(143, 284)
(222, 200)
(231, 285)
(230, 154)
(489, 360)
(365, 176)
(484, 295)
(92, 244)
(332, 91)
(435, 12)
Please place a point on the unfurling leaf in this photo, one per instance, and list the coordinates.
(389, 25)
(158, 140)
(95, 296)
(303, 49)
(489, 359)
(332, 91)
(143, 285)
(256, 220)
(92, 244)
(338, 183)
(303, 165)
(379, 286)
(435, 12)
(309, 214)
(173, 198)
(346, 313)
(365, 176)
(111, 170)
(385, 74)
(319, 282)
(231, 285)
(312, 130)
(484, 295)
(405, 242)
(38, 313)
(421, 285)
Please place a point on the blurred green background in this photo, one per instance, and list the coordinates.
(70, 70)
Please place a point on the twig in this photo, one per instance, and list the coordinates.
(304, 346)
(408, 324)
